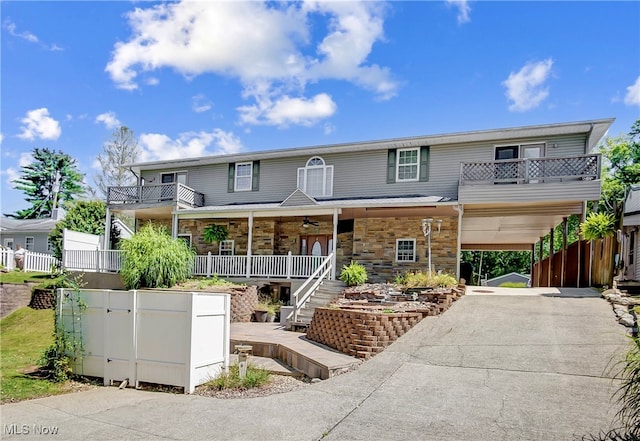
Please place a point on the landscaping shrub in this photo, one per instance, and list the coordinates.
(421, 279)
(256, 377)
(153, 259)
(354, 274)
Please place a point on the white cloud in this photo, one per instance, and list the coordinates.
(268, 47)
(11, 28)
(109, 119)
(526, 88)
(287, 110)
(38, 124)
(157, 147)
(463, 10)
(632, 98)
(1, 138)
(11, 174)
(26, 158)
(200, 103)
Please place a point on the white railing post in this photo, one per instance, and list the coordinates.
(209, 264)
(289, 259)
(97, 259)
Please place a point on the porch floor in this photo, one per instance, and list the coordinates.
(271, 340)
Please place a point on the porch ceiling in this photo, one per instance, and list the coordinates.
(513, 227)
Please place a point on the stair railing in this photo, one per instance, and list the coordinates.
(310, 286)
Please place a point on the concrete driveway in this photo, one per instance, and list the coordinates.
(507, 365)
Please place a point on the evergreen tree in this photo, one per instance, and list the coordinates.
(120, 150)
(51, 180)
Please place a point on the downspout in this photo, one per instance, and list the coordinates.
(460, 209)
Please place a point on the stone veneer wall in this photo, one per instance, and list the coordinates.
(374, 246)
(360, 334)
(372, 242)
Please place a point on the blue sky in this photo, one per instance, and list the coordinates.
(201, 78)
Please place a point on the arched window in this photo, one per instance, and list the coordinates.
(316, 178)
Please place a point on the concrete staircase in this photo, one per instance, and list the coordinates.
(328, 291)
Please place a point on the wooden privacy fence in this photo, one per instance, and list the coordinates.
(583, 263)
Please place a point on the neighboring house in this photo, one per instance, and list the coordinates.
(631, 236)
(32, 234)
(497, 189)
(508, 278)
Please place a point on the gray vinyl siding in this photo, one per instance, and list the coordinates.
(359, 173)
(558, 191)
(39, 240)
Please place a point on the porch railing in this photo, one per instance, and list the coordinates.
(310, 286)
(32, 261)
(100, 261)
(287, 266)
(531, 170)
(141, 194)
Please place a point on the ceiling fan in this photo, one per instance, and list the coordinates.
(306, 222)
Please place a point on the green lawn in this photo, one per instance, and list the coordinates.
(21, 277)
(25, 333)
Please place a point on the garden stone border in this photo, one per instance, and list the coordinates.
(623, 308)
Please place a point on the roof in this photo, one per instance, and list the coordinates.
(8, 225)
(317, 206)
(594, 129)
(632, 203)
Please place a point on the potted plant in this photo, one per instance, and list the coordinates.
(215, 233)
(260, 312)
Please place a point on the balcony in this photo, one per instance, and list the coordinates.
(155, 195)
(530, 180)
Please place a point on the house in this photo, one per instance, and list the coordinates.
(32, 234)
(524, 279)
(499, 189)
(630, 236)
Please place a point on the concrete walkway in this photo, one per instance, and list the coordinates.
(493, 367)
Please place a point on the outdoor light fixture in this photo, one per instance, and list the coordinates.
(426, 230)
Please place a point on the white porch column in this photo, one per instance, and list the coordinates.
(107, 231)
(335, 243)
(249, 239)
(174, 226)
(460, 210)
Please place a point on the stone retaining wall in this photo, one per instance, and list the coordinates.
(360, 334)
(14, 296)
(243, 303)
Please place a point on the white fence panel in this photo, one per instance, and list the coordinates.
(166, 337)
(74, 240)
(39, 262)
(7, 259)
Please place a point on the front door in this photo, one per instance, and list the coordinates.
(315, 245)
(533, 169)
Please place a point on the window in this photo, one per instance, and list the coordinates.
(186, 238)
(29, 243)
(316, 178)
(244, 176)
(406, 250)
(8, 242)
(49, 246)
(170, 178)
(226, 247)
(407, 166)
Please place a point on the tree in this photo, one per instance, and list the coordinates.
(84, 217)
(621, 159)
(498, 263)
(51, 180)
(120, 150)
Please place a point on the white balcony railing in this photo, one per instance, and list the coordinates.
(531, 170)
(148, 194)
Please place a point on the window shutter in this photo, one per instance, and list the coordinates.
(424, 163)
(255, 180)
(231, 183)
(328, 183)
(391, 166)
(301, 175)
